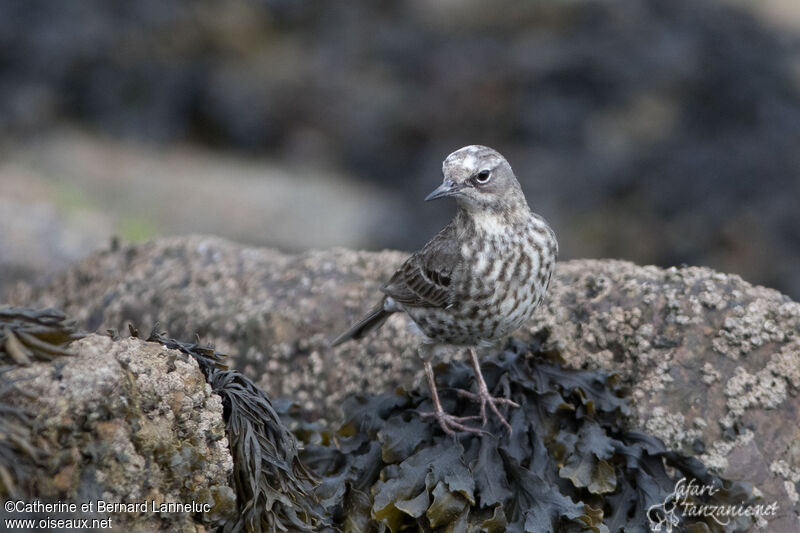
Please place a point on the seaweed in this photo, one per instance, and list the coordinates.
(275, 491)
(570, 463)
(18, 453)
(206, 356)
(29, 334)
(26, 335)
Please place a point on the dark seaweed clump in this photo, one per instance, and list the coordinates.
(26, 335)
(274, 490)
(18, 453)
(569, 465)
(206, 356)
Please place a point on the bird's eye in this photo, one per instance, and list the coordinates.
(483, 176)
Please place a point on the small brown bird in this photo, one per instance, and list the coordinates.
(478, 279)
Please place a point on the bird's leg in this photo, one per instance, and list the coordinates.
(448, 422)
(483, 395)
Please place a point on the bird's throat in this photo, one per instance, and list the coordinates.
(494, 222)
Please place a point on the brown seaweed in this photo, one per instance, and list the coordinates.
(571, 464)
(28, 335)
(274, 489)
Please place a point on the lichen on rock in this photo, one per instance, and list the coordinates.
(128, 421)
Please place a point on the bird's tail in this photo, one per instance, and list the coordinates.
(372, 320)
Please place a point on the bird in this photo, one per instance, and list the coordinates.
(476, 281)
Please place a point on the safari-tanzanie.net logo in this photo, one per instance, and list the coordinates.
(684, 503)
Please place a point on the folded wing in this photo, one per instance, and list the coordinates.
(426, 279)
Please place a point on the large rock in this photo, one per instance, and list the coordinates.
(127, 422)
(274, 313)
(712, 362)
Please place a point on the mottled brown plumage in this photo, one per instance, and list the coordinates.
(479, 278)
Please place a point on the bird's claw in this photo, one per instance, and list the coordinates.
(483, 397)
(450, 423)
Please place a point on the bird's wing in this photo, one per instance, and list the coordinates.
(425, 279)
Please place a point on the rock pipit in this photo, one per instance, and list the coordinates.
(478, 279)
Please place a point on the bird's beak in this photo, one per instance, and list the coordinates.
(447, 188)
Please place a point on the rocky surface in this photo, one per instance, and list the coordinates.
(128, 422)
(274, 313)
(712, 362)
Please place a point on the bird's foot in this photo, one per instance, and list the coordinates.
(485, 398)
(450, 423)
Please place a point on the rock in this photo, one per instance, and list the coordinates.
(274, 313)
(712, 362)
(128, 422)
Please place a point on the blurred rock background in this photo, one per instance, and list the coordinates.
(660, 131)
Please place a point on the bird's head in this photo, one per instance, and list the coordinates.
(480, 179)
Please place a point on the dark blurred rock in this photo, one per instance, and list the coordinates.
(128, 422)
(662, 131)
(707, 356)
